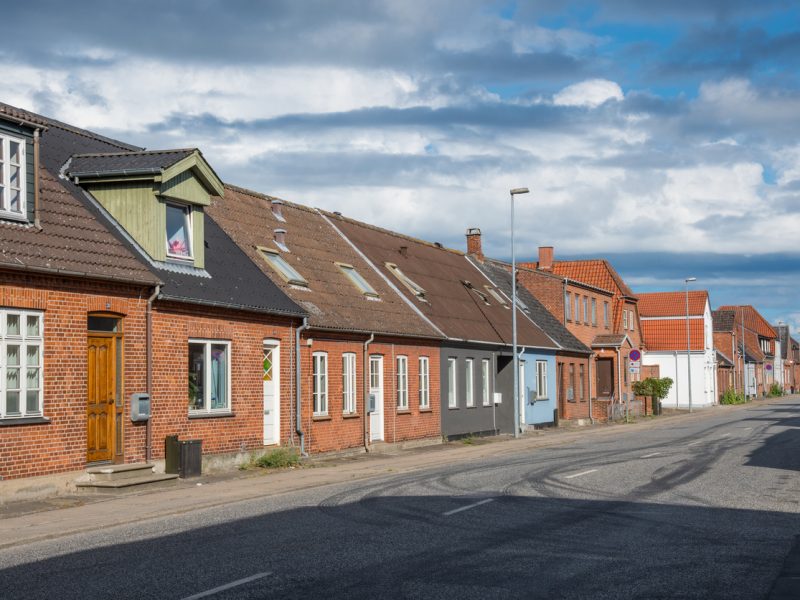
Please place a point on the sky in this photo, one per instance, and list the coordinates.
(663, 135)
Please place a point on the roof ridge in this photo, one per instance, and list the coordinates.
(262, 196)
(137, 152)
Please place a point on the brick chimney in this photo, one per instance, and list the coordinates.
(546, 258)
(474, 247)
(277, 209)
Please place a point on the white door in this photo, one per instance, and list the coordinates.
(271, 377)
(376, 392)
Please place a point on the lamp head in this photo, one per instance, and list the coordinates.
(516, 191)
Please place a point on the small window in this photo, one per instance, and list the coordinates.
(624, 319)
(179, 231)
(470, 378)
(630, 320)
(12, 177)
(582, 384)
(21, 344)
(415, 289)
(320, 377)
(349, 383)
(577, 308)
(496, 295)
(541, 379)
(209, 376)
(485, 387)
(571, 383)
(357, 280)
(594, 312)
(568, 307)
(402, 383)
(452, 379)
(605, 314)
(586, 310)
(424, 382)
(283, 268)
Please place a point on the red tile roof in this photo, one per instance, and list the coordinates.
(670, 334)
(672, 304)
(596, 272)
(752, 320)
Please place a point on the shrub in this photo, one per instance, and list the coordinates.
(279, 458)
(731, 396)
(775, 390)
(656, 388)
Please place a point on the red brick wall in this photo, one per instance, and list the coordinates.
(546, 289)
(586, 332)
(579, 408)
(337, 431)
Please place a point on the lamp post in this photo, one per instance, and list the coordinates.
(688, 339)
(515, 362)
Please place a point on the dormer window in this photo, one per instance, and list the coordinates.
(283, 268)
(357, 280)
(12, 176)
(415, 289)
(179, 228)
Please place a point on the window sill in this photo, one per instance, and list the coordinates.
(403, 411)
(321, 418)
(471, 407)
(11, 421)
(426, 410)
(215, 415)
(12, 216)
(452, 408)
(350, 415)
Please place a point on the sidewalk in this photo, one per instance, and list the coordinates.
(26, 522)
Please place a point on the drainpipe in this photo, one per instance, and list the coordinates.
(298, 401)
(365, 377)
(675, 353)
(148, 444)
(591, 411)
(36, 221)
(619, 381)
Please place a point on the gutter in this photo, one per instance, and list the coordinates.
(69, 273)
(365, 377)
(298, 402)
(148, 446)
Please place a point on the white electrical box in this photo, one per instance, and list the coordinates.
(140, 407)
(498, 397)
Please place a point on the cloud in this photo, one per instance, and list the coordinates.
(592, 92)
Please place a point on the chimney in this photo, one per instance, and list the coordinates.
(280, 237)
(474, 243)
(404, 251)
(546, 258)
(277, 209)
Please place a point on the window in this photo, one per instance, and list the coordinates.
(582, 384)
(630, 320)
(179, 231)
(402, 383)
(21, 342)
(12, 176)
(577, 308)
(571, 383)
(320, 377)
(585, 310)
(625, 370)
(605, 314)
(470, 383)
(485, 391)
(415, 289)
(496, 295)
(541, 379)
(624, 319)
(594, 312)
(209, 376)
(349, 383)
(283, 268)
(568, 307)
(357, 280)
(452, 377)
(424, 382)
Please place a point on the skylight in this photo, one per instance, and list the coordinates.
(283, 268)
(357, 280)
(417, 290)
(496, 295)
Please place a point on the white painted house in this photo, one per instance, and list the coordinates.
(679, 356)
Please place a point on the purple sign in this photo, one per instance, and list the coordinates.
(635, 355)
(768, 367)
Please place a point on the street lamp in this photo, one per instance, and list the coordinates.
(688, 339)
(515, 363)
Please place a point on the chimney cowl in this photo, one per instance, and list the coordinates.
(404, 251)
(280, 238)
(277, 209)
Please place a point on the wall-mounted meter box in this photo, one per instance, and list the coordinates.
(373, 399)
(140, 407)
(498, 397)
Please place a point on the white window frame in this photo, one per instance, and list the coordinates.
(486, 395)
(452, 379)
(541, 379)
(586, 310)
(188, 218)
(349, 383)
(413, 287)
(5, 178)
(207, 343)
(594, 312)
(319, 388)
(354, 277)
(469, 382)
(496, 295)
(568, 307)
(424, 382)
(631, 320)
(606, 314)
(624, 319)
(577, 318)
(401, 364)
(24, 342)
(279, 264)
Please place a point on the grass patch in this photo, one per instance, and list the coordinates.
(468, 440)
(732, 397)
(279, 458)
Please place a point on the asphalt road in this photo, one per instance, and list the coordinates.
(702, 508)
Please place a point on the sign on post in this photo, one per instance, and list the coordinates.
(634, 355)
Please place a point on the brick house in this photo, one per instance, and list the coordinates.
(571, 399)
(601, 311)
(728, 343)
(362, 340)
(664, 317)
(790, 356)
(762, 349)
(457, 298)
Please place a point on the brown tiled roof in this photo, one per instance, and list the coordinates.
(724, 320)
(672, 304)
(457, 310)
(595, 272)
(752, 320)
(723, 360)
(73, 239)
(670, 334)
(125, 162)
(315, 247)
(609, 339)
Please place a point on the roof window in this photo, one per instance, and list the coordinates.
(496, 295)
(415, 289)
(357, 280)
(283, 268)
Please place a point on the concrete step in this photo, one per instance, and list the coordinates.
(118, 472)
(149, 480)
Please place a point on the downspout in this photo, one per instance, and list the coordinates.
(298, 400)
(365, 377)
(675, 353)
(591, 412)
(148, 444)
(619, 380)
(36, 221)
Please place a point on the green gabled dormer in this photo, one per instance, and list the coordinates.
(157, 196)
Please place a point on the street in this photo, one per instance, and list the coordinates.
(702, 507)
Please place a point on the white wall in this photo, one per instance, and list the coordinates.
(704, 379)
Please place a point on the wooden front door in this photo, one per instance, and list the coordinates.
(102, 399)
(605, 377)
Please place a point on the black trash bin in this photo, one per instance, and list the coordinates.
(191, 458)
(172, 454)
